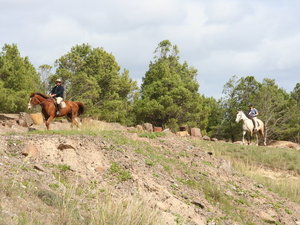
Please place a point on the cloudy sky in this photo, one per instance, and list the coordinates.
(220, 38)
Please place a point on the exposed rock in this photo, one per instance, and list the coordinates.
(182, 133)
(65, 146)
(39, 167)
(37, 118)
(148, 127)
(25, 119)
(157, 129)
(30, 150)
(266, 217)
(139, 127)
(198, 203)
(214, 139)
(196, 132)
(206, 138)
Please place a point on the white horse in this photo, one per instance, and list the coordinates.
(248, 126)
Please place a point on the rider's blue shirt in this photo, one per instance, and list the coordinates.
(252, 112)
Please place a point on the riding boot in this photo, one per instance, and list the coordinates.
(58, 110)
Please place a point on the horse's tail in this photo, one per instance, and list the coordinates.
(81, 108)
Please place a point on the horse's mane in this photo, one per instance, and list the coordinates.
(40, 94)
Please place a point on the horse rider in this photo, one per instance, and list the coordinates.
(253, 113)
(57, 93)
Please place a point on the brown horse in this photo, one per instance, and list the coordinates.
(71, 110)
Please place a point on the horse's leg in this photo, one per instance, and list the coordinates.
(257, 140)
(244, 132)
(73, 118)
(263, 136)
(48, 121)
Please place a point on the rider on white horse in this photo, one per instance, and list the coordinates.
(252, 114)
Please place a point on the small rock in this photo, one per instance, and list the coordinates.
(260, 186)
(214, 139)
(38, 167)
(206, 138)
(99, 169)
(266, 217)
(167, 130)
(30, 150)
(198, 203)
(65, 146)
(139, 127)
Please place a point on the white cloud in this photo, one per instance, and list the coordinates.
(221, 38)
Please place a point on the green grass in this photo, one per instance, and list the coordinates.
(152, 135)
(273, 158)
(119, 172)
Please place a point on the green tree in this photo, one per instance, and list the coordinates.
(169, 92)
(295, 94)
(18, 78)
(276, 108)
(93, 76)
(45, 72)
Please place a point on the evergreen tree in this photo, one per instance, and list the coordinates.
(169, 92)
(93, 76)
(18, 78)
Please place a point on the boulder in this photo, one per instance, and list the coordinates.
(148, 127)
(206, 138)
(182, 133)
(25, 119)
(195, 132)
(139, 127)
(157, 129)
(37, 118)
(30, 150)
(214, 139)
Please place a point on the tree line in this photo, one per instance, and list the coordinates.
(168, 97)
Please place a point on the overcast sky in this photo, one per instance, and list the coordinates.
(220, 38)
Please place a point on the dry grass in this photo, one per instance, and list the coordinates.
(71, 204)
(260, 164)
(279, 182)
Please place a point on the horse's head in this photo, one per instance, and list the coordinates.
(34, 100)
(239, 116)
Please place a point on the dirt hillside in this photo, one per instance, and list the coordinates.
(177, 181)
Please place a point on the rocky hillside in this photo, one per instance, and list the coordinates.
(108, 174)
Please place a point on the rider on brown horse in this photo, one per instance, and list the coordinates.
(57, 93)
